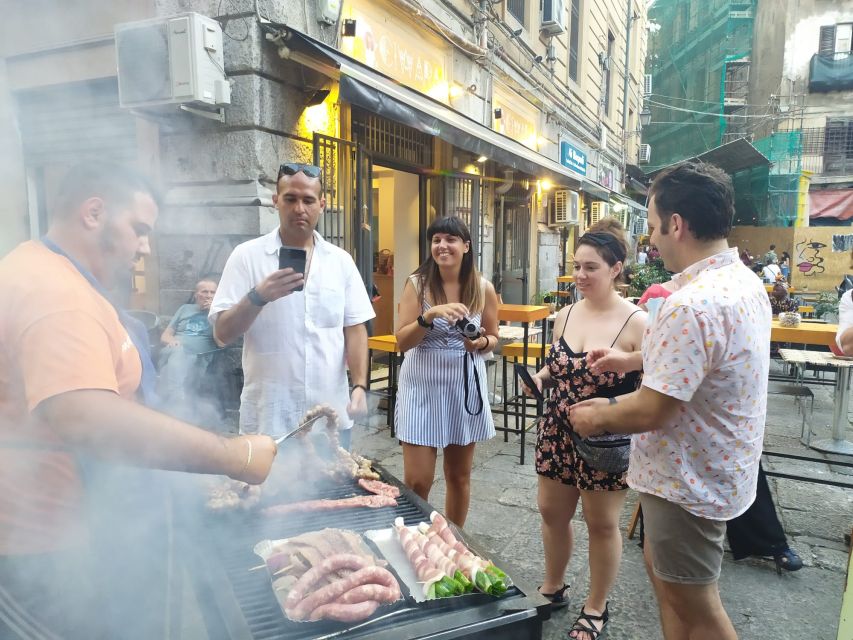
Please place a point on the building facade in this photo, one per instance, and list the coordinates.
(506, 114)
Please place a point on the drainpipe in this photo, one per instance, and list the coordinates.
(629, 20)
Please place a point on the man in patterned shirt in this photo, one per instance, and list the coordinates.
(698, 419)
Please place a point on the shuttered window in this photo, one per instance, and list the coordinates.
(574, 39)
(517, 9)
(835, 38)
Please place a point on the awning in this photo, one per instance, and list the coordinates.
(731, 157)
(362, 86)
(831, 203)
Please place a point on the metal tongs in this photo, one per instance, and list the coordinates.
(299, 429)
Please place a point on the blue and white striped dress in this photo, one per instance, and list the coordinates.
(431, 391)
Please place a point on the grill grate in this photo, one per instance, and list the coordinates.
(235, 541)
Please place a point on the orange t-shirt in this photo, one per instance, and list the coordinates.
(57, 334)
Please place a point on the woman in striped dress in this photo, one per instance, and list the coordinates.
(442, 401)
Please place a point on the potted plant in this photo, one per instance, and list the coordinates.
(826, 306)
(645, 275)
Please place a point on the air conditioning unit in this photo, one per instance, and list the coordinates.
(647, 84)
(566, 207)
(597, 211)
(552, 21)
(645, 153)
(641, 227)
(174, 60)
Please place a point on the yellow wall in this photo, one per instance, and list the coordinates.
(757, 240)
(822, 268)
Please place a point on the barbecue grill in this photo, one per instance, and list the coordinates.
(239, 604)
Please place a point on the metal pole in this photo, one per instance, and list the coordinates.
(626, 72)
(837, 444)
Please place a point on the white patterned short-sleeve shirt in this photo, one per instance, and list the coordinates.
(709, 346)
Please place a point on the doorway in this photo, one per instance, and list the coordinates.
(396, 234)
(512, 244)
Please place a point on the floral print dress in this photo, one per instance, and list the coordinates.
(556, 457)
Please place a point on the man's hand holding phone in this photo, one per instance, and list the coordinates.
(290, 276)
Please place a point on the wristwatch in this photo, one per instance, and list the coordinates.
(426, 325)
(255, 298)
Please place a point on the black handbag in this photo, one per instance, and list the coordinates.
(604, 453)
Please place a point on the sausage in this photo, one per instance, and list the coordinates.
(315, 574)
(366, 592)
(345, 612)
(333, 591)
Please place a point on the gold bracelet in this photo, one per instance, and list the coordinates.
(248, 457)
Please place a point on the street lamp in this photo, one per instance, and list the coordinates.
(645, 117)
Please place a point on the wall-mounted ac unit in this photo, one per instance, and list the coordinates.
(647, 84)
(174, 60)
(552, 21)
(597, 211)
(566, 207)
(645, 153)
(641, 226)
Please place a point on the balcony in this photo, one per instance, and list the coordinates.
(831, 73)
(828, 150)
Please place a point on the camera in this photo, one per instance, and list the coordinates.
(467, 328)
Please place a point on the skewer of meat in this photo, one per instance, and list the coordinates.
(372, 502)
(409, 540)
(379, 488)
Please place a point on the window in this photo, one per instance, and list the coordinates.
(574, 40)
(838, 146)
(835, 39)
(608, 64)
(517, 10)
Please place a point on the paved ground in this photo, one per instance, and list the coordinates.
(762, 605)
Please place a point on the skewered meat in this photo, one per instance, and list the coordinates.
(379, 488)
(232, 494)
(372, 502)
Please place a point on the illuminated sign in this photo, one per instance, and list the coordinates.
(573, 158)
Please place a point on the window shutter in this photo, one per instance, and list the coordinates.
(826, 42)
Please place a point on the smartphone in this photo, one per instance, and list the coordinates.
(522, 372)
(293, 258)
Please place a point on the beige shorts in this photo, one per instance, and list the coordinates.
(683, 547)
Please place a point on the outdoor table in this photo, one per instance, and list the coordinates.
(388, 344)
(565, 279)
(565, 288)
(840, 400)
(814, 333)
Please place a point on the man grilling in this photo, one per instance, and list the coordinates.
(83, 521)
(301, 329)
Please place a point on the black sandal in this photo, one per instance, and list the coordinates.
(585, 622)
(558, 598)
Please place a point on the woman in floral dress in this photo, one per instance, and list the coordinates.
(600, 320)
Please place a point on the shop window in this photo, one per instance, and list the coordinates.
(389, 140)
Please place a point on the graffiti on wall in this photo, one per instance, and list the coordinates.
(842, 243)
(809, 260)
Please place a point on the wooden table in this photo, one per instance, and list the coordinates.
(525, 314)
(388, 344)
(565, 287)
(840, 399)
(814, 333)
(565, 279)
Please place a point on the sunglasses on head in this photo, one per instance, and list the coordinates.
(292, 168)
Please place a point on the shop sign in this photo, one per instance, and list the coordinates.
(573, 158)
(518, 118)
(391, 45)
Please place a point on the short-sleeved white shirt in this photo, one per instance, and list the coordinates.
(708, 346)
(294, 354)
(845, 315)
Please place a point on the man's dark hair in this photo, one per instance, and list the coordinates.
(116, 185)
(700, 193)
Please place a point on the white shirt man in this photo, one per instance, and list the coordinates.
(642, 257)
(771, 273)
(297, 344)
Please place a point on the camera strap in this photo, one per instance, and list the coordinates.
(476, 385)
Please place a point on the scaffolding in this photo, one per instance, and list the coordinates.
(769, 195)
(699, 60)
